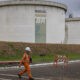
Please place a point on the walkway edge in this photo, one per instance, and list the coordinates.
(37, 65)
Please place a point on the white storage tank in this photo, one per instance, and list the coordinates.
(73, 30)
(32, 21)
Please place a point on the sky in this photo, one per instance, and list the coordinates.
(73, 6)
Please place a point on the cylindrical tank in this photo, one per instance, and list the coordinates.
(32, 21)
(73, 25)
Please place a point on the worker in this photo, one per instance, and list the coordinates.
(26, 61)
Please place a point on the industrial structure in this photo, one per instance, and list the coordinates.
(72, 31)
(37, 21)
(32, 21)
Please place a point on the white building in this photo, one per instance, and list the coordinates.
(73, 31)
(32, 21)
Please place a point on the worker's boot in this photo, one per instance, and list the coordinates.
(31, 79)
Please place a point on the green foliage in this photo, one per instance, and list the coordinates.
(3, 52)
(12, 52)
(41, 59)
(61, 52)
(11, 45)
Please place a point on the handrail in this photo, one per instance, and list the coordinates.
(9, 62)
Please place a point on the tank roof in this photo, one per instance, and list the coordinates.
(33, 2)
(73, 19)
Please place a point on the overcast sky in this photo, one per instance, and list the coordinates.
(72, 5)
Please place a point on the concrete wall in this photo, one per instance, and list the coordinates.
(17, 21)
(55, 25)
(73, 25)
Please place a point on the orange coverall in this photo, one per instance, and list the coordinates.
(26, 61)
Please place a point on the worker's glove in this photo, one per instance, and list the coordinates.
(30, 60)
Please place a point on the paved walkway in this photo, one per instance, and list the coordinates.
(47, 72)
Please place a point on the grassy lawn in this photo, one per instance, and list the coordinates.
(16, 54)
(39, 59)
(74, 56)
(50, 58)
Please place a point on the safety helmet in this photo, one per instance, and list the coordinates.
(27, 49)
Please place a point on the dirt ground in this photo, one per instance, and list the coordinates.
(70, 72)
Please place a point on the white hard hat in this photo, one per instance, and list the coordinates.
(27, 49)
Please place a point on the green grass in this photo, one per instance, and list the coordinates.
(42, 59)
(50, 57)
(17, 54)
(39, 59)
(74, 56)
(36, 58)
